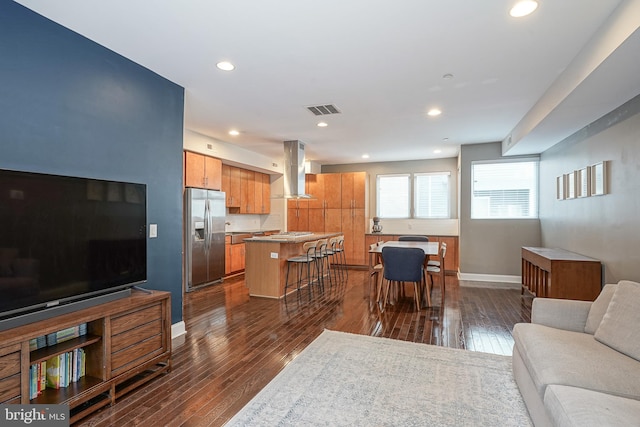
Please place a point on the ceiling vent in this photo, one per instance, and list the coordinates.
(323, 110)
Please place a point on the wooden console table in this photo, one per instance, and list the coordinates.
(556, 273)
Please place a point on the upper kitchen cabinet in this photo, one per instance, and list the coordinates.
(247, 191)
(324, 190)
(298, 215)
(353, 189)
(231, 185)
(202, 171)
(262, 193)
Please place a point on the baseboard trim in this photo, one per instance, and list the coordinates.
(178, 329)
(508, 281)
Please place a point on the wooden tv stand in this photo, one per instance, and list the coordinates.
(128, 342)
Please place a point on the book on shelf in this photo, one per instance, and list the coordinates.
(57, 372)
(66, 334)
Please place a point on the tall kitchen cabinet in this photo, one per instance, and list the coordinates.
(325, 204)
(298, 215)
(338, 203)
(354, 202)
(202, 171)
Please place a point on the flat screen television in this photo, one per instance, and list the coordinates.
(67, 239)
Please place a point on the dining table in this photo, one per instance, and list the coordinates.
(429, 248)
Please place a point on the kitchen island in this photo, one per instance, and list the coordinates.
(266, 260)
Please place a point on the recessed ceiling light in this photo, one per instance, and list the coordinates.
(234, 132)
(523, 8)
(365, 156)
(322, 125)
(225, 66)
(437, 151)
(434, 112)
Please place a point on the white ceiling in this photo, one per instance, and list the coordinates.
(381, 62)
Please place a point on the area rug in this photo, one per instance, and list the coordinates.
(344, 379)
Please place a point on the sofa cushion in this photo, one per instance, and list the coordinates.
(599, 308)
(556, 356)
(619, 327)
(570, 406)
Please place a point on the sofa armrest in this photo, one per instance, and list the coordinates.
(564, 314)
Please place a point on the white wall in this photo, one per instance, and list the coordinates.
(490, 246)
(604, 227)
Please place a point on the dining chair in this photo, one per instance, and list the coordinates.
(402, 265)
(431, 262)
(413, 239)
(376, 271)
(433, 270)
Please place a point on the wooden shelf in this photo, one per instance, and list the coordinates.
(42, 354)
(134, 331)
(52, 396)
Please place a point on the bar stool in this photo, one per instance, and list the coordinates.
(343, 256)
(306, 259)
(337, 259)
(322, 261)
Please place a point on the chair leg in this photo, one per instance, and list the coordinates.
(427, 289)
(416, 286)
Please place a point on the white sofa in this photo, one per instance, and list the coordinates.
(578, 363)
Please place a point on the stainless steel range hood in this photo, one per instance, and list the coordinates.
(294, 170)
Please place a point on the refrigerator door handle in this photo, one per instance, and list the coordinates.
(207, 225)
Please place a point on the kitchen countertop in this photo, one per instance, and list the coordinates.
(254, 231)
(292, 238)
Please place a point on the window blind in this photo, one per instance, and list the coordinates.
(504, 189)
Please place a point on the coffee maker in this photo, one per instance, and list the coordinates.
(377, 228)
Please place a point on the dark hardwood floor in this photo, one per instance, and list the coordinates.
(236, 344)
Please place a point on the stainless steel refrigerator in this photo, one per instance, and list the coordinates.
(204, 231)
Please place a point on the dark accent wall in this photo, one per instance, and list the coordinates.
(69, 106)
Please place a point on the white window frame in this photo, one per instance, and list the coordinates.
(447, 202)
(482, 207)
(411, 181)
(407, 213)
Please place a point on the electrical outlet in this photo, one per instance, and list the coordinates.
(153, 231)
(274, 255)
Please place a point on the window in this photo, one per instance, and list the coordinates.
(430, 195)
(506, 189)
(393, 196)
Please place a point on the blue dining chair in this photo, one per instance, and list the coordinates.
(403, 265)
(413, 239)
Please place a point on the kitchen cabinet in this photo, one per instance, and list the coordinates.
(353, 229)
(237, 257)
(352, 189)
(324, 190)
(202, 171)
(298, 215)
(247, 191)
(262, 193)
(231, 185)
(234, 257)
